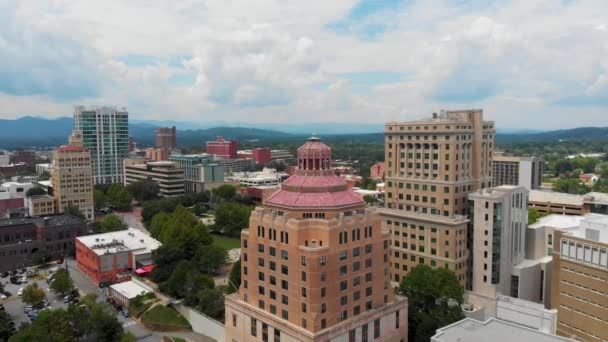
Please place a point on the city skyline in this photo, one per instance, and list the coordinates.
(344, 61)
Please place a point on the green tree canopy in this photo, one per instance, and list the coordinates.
(434, 299)
(211, 302)
(225, 192)
(211, 258)
(44, 176)
(534, 215)
(62, 282)
(74, 210)
(370, 199)
(180, 228)
(144, 190)
(32, 294)
(118, 197)
(571, 186)
(100, 200)
(35, 191)
(231, 218)
(112, 223)
(234, 279)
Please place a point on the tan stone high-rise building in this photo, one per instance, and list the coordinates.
(315, 264)
(431, 167)
(71, 176)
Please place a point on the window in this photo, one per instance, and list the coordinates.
(343, 300)
(368, 249)
(368, 291)
(323, 307)
(284, 284)
(273, 294)
(261, 304)
(303, 260)
(356, 296)
(304, 307)
(343, 255)
(272, 251)
(254, 327)
(285, 314)
(368, 277)
(273, 280)
(285, 300)
(304, 293)
(364, 333)
(323, 276)
(352, 336)
(273, 266)
(343, 270)
(260, 248)
(233, 320)
(284, 255)
(343, 315)
(261, 262)
(343, 285)
(323, 260)
(356, 281)
(261, 290)
(356, 251)
(323, 292)
(284, 270)
(376, 328)
(260, 276)
(277, 335)
(356, 266)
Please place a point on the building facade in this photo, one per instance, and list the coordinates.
(200, 171)
(166, 137)
(237, 165)
(168, 175)
(24, 156)
(105, 132)
(112, 257)
(523, 171)
(72, 178)
(580, 278)
(222, 148)
(377, 171)
(30, 241)
(260, 155)
(546, 202)
(41, 205)
(431, 167)
(157, 154)
(315, 264)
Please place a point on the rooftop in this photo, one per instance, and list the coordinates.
(578, 226)
(129, 289)
(555, 197)
(596, 198)
(558, 221)
(52, 220)
(123, 240)
(495, 330)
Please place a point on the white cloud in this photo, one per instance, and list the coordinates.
(523, 61)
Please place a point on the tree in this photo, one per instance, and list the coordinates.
(118, 197)
(234, 279)
(369, 199)
(210, 258)
(225, 192)
(51, 325)
(35, 191)
(74, 210)
(434, 297)
(32, 294)
(571, 186)
(181, 228)
(176, 284)
(602, 169)
(104, 323)
(5, 331)
(231, 218)
(128, 337)
(111, 223)
(211, 302)
(100, 200)
(144, 190)
(534, 215)
(166, 258)
(62, 282)
(80, 320)
(44, 176)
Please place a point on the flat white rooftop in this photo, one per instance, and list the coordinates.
(558, 221)
(555, 197)
(131, 239)
(129, 289)
(494, 330)
(590, 226)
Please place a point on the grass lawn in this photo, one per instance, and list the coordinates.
(178, 339)
(226, 242)
(164, 315)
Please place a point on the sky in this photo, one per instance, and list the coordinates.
(534, 64)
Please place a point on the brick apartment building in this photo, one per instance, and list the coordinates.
(166, 137)
(112, 257)
(26, 241)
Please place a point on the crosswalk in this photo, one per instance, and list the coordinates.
(129, 323)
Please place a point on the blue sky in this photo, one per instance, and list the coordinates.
(528, 63)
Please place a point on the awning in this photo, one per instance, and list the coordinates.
(145, 270)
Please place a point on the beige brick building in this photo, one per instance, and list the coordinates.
(432, 165)
(315, 264)
(580, 279)
(71, 177)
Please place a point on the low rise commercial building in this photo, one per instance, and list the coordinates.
(495, 330)
(596, 202)
(260, 155)
(125, 292)
(222, 148)
(42, 168)
(281, 156)
(168, 175)
(14, 189)
(266, 177)
(29, 241)
(41, 205)
(547, 202)
(112, 257)
(157, 154)
(236, 165)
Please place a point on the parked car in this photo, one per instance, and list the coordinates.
(23, 270)
(20, 292)
(4, 274)
(1, 307)
(23, 280)
(3, 296)
(13, 272)
(15, 280)
(124, 313)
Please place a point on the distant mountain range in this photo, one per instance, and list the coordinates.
(32, 132)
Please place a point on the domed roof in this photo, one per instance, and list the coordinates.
(314, 185)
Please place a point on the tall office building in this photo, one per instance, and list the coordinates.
(71, 176)
(105, 132)
(166, 137)
(315, 264)
(524, 171)
(497, 235)
(431, 167)
(580, 279)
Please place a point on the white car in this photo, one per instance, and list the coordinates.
(20, 292)
(2, 297)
